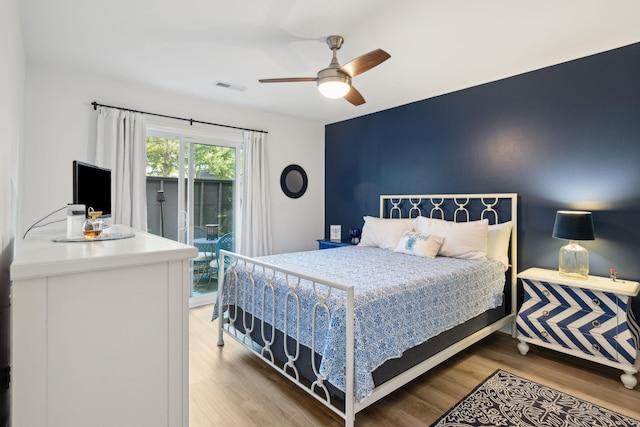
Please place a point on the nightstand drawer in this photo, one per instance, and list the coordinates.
(566, 296)
(591, 344)
(581, 321)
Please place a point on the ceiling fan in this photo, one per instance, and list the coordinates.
(335, 81)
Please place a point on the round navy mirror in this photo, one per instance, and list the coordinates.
(294, 181)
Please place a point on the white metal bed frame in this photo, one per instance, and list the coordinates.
(323, 288)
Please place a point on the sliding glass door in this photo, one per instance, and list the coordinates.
(192, 197)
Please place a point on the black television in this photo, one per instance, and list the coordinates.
(92, 187)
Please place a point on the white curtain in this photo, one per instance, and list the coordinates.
(254, 233)
(121, 145)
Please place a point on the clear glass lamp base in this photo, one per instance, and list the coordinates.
(573, 261)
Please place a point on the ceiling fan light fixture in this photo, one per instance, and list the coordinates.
(335, 80)
(334, 86)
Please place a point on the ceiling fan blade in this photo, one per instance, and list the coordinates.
(289, 79)
(365, 62)
(354, 97)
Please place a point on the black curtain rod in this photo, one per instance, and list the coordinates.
(191, 121)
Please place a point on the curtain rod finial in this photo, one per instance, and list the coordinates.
(95, 105)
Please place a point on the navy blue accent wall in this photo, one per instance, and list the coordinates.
(564, 137)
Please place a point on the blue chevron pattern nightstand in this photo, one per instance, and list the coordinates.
(591, 319)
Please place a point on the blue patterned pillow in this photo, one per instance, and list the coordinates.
(418, 244)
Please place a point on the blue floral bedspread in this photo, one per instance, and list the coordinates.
(400, 301)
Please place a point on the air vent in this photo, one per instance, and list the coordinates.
(230, 86)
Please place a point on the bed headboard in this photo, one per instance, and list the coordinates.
(497, 208)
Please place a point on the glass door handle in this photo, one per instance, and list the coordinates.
(183, 226)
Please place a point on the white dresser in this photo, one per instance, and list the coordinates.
(591, 319)
(100, 332)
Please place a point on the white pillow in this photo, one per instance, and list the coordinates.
(384, 233)
(466, 240)
(498, 242)
(423, 245)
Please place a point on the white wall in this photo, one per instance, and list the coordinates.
(60, 128)
(12, 83)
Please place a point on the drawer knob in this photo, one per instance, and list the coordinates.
(595, 347)
(595, 324)
(545, 293)
(595, 301)
(545, 313)
(544, 334)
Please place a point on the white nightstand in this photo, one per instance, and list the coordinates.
(591, 319)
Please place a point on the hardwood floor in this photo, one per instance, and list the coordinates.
(230, 386)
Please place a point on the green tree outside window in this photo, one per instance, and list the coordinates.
(162, 159)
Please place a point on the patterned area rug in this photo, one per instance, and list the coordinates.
(505, 399)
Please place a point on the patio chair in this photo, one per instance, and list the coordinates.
(225, 242)
(205, 255)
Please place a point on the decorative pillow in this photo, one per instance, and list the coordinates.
(418, 244)
(466, 240)
(384, 233)
(498, 242)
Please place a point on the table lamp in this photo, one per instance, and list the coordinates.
(573, 259)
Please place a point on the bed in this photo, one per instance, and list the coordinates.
(432, 275)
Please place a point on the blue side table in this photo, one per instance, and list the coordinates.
(205, 244)
(328, 244)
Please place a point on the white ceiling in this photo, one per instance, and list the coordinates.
(436, 47)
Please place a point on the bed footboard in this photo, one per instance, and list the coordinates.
(257, 287)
